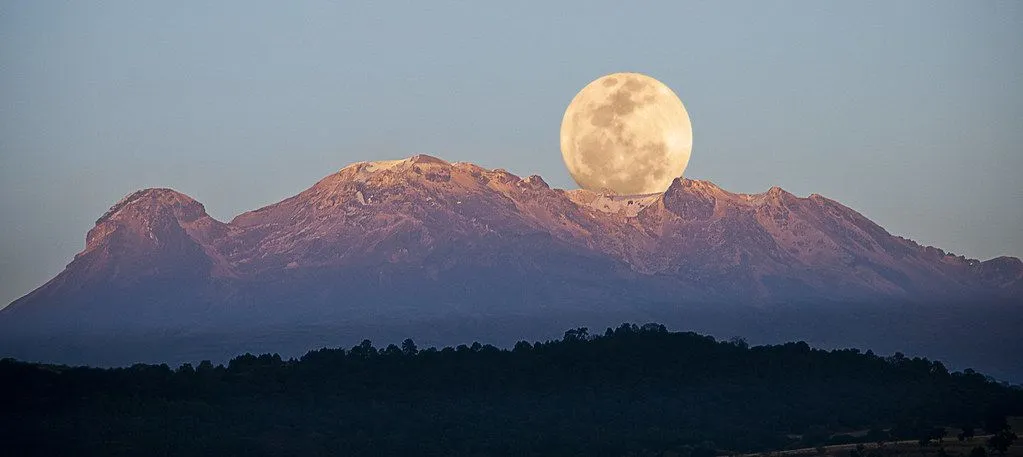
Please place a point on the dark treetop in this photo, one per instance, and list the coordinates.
(633, 390)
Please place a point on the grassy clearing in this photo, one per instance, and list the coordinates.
(950, 446)
(911, 448)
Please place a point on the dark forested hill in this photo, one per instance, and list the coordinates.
(630, 391)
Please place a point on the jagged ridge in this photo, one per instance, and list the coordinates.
(423, 225)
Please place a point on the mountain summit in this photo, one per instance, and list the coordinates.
(422, 237)
(388, 232)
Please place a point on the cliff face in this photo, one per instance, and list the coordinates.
(425, 235)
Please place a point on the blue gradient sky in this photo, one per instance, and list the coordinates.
(910, 112)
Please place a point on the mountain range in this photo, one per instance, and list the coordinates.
(408, 243)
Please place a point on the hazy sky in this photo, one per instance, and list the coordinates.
(909, 112)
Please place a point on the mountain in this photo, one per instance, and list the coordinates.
(419, 239)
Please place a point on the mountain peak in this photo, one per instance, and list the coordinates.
(695, 185)
(536, 181)
(404, 225)
(362, 170)
(427, 159)
(152, 215)
(147, 200)
(418, 159)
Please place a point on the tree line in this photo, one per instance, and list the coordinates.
(631, 390)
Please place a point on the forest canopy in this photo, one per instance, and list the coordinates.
(630, 390)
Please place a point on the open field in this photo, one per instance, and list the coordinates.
(951, 447)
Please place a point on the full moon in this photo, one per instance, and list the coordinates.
(626, 134)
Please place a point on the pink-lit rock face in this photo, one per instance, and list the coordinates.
(422, 229)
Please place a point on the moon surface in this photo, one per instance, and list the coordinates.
(626, 134)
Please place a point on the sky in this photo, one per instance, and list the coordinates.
(910, 112)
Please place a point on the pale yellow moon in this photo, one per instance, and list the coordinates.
(626, 134)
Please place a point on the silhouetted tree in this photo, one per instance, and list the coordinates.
(392, 351)
(205, 367)
(577, 334)
(739, 342)
(653, 328)
(365, 349)
(408, 347)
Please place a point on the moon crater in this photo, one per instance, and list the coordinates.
(626, 133)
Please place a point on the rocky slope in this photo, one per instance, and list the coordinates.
(423, 235)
